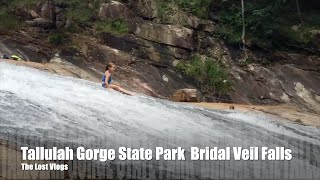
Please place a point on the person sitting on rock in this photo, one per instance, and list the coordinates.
(107, 80)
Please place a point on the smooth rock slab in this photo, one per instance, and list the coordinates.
(167, 34)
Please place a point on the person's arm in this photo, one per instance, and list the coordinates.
(107, 78)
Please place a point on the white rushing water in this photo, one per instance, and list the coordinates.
(66, 110)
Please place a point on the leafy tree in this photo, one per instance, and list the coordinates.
(268, 23)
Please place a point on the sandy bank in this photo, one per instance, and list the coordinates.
(285, 111)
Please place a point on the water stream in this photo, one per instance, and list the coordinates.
(67, 110)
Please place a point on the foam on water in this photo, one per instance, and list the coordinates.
(72, 112)
(35, 102)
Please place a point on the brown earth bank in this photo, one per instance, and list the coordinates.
(286, 112)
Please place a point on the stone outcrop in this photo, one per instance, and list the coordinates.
(43, 17)
(145, 8)
(40, 22)
(280, 82)
(172, 35)
(145, 49)
(34, 14)
(186, 95)
(115, 10)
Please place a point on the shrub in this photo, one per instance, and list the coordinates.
(269, 24)
(198, 8)
(57, 39)
(167, 8)
(116, 27)
(211, 77)
(7, 20)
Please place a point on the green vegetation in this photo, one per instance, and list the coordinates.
(7, 20)
(199, 8)
(167, 8)
(57, 39)
(211, 77)
(82, 13)
(269, 23)
(18, 3)
(117, 27)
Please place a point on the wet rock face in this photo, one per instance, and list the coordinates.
(152, 80)
(26, 51)
(134, 73)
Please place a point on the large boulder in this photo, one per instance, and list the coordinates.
(172, 35)
(114, 10)
(186, 95)
(145, 49)
(46, 13)
(145, 8)
(34, 14)
(199, 24)
(193, 22)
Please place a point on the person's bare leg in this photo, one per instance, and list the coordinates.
(125, 91)
(118, 88)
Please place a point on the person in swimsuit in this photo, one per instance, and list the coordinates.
(107, 80)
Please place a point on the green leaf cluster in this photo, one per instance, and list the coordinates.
(269, 23)
(57, 38)
(211, 77)
(199, 8)
(116, 27)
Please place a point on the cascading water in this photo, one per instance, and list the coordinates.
(67, 110)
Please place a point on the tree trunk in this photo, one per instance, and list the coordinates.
(243, 37)
(53, 14)
(299, 12)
